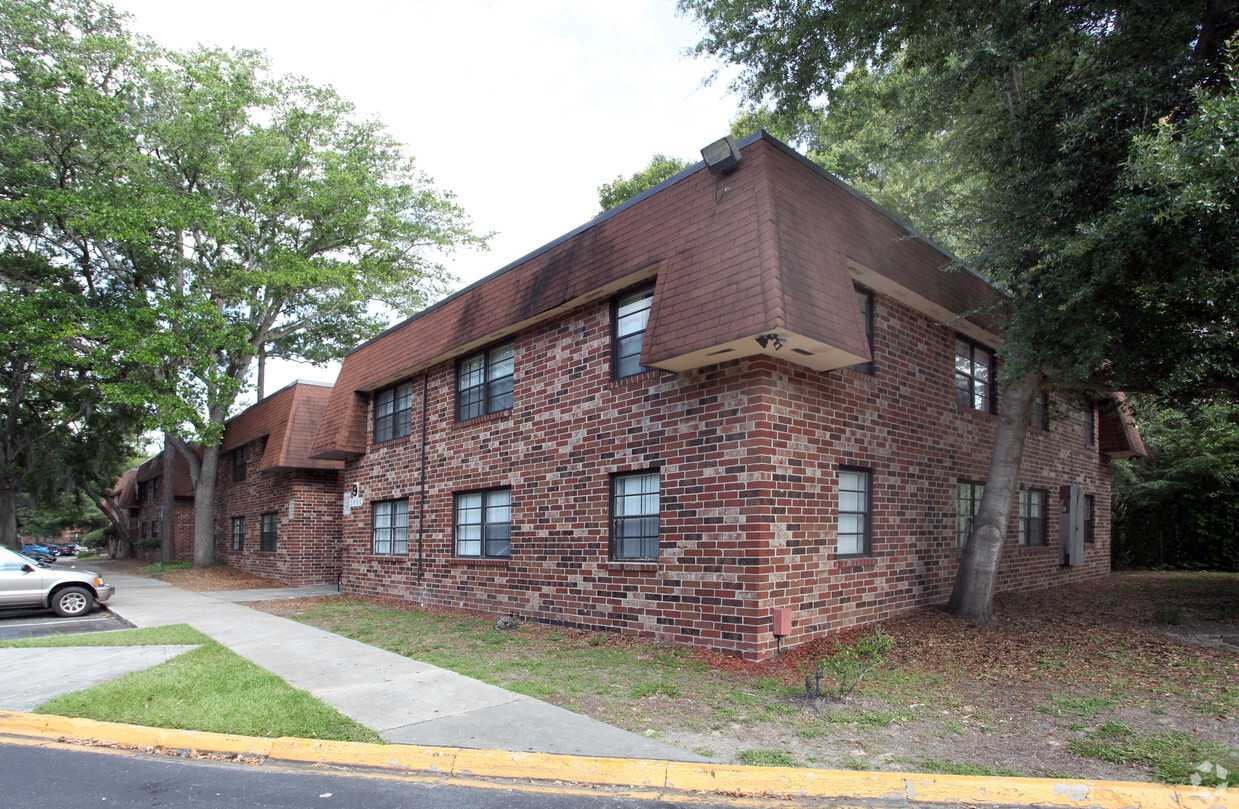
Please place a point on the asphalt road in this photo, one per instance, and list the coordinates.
(38, 777)
(16, 624)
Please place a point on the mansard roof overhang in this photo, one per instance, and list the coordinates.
(772, 247)
(288, 419)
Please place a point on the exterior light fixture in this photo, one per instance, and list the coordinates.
(771, 339)
(721, 156)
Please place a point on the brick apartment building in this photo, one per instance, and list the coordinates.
(741, 403)
(736, 404)
(277, 511)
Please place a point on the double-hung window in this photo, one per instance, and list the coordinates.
(855, 512)
(864, 298)
(1089, 525)
(967, 504)
(238, 464)
(634, 515)
(1032, 517)
(630, 315)
(975, 380)
(484, 382)
(393, 408)
(1090, 424)
(1039, 417)
(483, 524)
(270, 530)
(238, 533)
(389, 520)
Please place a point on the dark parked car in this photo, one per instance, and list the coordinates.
(68, 591)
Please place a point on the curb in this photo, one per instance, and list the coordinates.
(736, 781)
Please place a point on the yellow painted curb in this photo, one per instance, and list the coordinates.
(551, 767)
(637, 773)
(404, 756)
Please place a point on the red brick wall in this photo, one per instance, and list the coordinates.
(150, 515)
(748, 452)
(308, 504)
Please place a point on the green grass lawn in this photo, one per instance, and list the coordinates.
(209, 688)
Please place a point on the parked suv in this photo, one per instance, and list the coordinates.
(68, 591)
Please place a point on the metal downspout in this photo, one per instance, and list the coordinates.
(421, 505)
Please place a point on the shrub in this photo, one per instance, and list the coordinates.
(849, 664)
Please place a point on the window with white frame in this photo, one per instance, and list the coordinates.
(635, 505)
(484, 382)
(855, 512)
(630, 316)
(483, 524)
(389, 527)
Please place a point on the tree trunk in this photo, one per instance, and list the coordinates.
(167, 502)
(204, 508)
(8, 515)
(973, 595)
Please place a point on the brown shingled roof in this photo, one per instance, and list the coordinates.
(125, 492)
(289, 419)
(772, 247)
(153, 468)
(1118, 436)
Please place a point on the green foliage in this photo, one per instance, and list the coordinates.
(623, 189)
(1178, 507)
(1173, 758)
(769, 758)
(849, 664)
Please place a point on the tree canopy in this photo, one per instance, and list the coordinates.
(622, 189)
(219, 211)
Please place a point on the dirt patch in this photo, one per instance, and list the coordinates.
(219, 577)
(1008, 698)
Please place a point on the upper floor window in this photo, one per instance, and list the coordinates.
(855, 512)
(967, 504)
(484, 382)
(238, 464)
(270, 531)
(975, 380)
(1039, 416)
(864, 298)
(1032, 517)
(634, 515)
(629, 316)
(483, 523)
(393, 408)
(1090, 424)
(238, 533)
(389, 524)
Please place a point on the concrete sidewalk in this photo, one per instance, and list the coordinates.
(404, 700)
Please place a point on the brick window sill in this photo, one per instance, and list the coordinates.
(645, 377)
(502, 415)
(631, 567)
(854, 563)
(465, 561)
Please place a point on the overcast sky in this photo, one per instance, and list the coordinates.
(522, 109)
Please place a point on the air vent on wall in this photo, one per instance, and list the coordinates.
(802, 351)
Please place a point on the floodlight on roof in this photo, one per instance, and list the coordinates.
(722, 155)
(768, 339)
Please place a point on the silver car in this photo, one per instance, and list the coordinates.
(68, 591)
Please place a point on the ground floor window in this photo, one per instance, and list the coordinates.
(389, 527)
(483, 523)
(270, 529)
(1088, 518)
(1032, 517)
(238, 533)
(855, 512)
(634, 515)
(967, 503)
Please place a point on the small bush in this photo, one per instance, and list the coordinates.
(849, 664)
